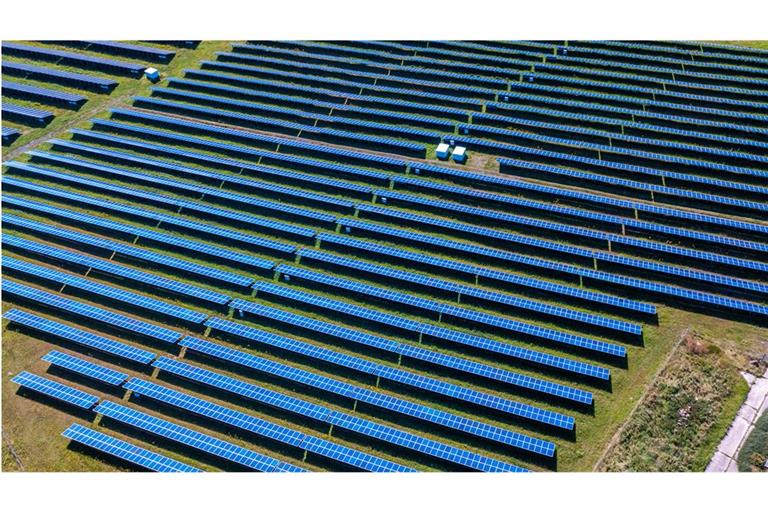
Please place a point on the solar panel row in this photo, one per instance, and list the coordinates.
(497, 278)
(79, 60)
(576, 216)
(463, 293)
(117, 297)
(93, 314)
(87, 368)
(55, 390)
(261, 313)
(128, 452)
(45, 74)
(425, 384)
(42, 95)
(438, 310)
(84, 338)
(345, 421)
(121, 272)
(129, 252)
(190, 438)
(252, 424)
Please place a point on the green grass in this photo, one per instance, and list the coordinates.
(754, 453)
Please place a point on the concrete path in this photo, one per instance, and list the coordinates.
(753, 407)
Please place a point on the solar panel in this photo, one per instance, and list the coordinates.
(543, 228)
(303, 127)
(253, 424)
(125, 451)
(189, 438)
(114, 295)
(380, 400)
(26, 115)
(441, 265)
(297, 406)
(193, 208)
(498, 127)
(91, 313)
(255, 312)
(290, 194)
(401, 376)
(42, 95)
(286, 145)
(489, 322)
(259, 171)
(597, 220)
(633, 188)
(456, 111)
(538, 265)
(198, 249)
(593, 201)
(45, 74)
(282, 160)
(10, 135)
(73, 59)
(333, 90)
(79, 337)
(440, 286)
(119, 48)
(124, 273)
(55, 390)
(87, 368)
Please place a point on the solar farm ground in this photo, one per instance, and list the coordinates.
(666, 407)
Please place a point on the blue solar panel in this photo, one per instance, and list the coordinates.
(73, 59)
(26, 115)
(442, 265)
(539, 265)
(456, 110)
(401, 376)
(112, 269)
(10, 135)
(593, 201)
(494, 347)
(42, 95)
(258, 311)
(177, 205)
(188, 437)
(706, 135)
(125, 451)
(281, 160)
(391, 110)
(119, 296)
(90, 313)
(389, 403)
(573, 215)
(45, 74)
(305, 111)
(119, 48)
(253, 424)
(588, 320)
(632, 188)
(308, 130)
(87, 368)
(317, 412)
(604, 131)
(333, 90)
(305, 180)
(547, 229)
(484, 320)
(80, 337)
(286, 145)
(418, 80)
(199, 249)
(55, 390)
